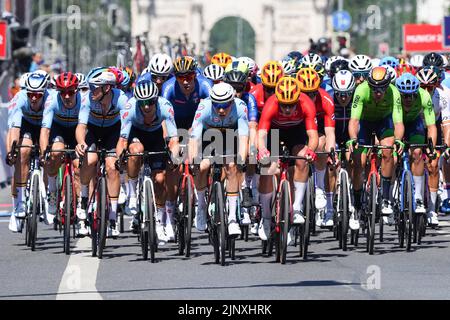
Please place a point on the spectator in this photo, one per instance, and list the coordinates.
(37, 61)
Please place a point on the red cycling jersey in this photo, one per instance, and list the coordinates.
(250, 86)
(258, 93)
(305, 111)
(325, 108)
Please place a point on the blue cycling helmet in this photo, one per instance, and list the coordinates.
(146, 77)
(390, 61)
(407, 83)
(126, 78)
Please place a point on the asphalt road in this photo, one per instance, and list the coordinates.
(330, 273)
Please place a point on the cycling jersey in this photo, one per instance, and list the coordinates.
(185, 107)
(20, 108)
(327, 87)
(91, 112)
(441, 103)
(250, 86)
(325, 108)
(132, 116)
(305, 112)
(258, 93)
(364, 106)
(422, 105)
(61, 115)
(252, 107)
(206, 117)
(342, 117)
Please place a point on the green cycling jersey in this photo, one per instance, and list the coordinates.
(365, 107)
(422, 105)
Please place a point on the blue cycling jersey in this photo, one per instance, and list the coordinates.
(185, 107)
(61, 115)
(206, 117)
(20, 108)
(446, 81)
(252, 106)
(132, 116)
(91, 112)
(327, 87)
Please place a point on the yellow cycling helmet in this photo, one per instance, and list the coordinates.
(287, 90)
(222, 59)
(271, 73)
(309, 80)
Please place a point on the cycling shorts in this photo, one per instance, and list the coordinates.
(30, 131)
(415, 131)
(64, 135)
(103, 137)
(152, 142)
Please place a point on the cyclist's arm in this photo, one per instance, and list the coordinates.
(80, 133)
(265, 122)
(313, 139)
(122, 144)
(44, 139)
(397, 115)
(196, 135)
(309, 110)
(170, 127)
(13, 135)
(357, 109)
(429, 116)
(243, 129)
(253, 120)
(330, 122)
(47, 122)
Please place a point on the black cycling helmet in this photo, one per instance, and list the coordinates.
(433, 59)
(297, 56)
(337, 66)
(185, 65)
(235, 76)
(379, 77)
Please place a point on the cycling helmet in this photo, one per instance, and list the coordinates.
(82, 83)
(288, 90)
(297, 56)
(214, 72)
(67, 80)
(23, 80)
(146, 77)
(311, 58)
(146, 70)
(289, 67)
(185, 65)
(45, 74)
(117, 73)
(36, 83)
(433, 59)
(375, 62)
(360, 63)
(102, 76)
(343, 81)
(222, 59)
(126, 78)
(236, 72)
(405, 68)
(379, 77)
(390, 61)
(161, 64)
(330, 61)
(319, 68)
(417, 60)
(309, 80)
(391, 71)
(337, 66)
(145, 90)
(222, 93)
(271, 73)
(428, 76)
(445, 65)
(253, 68)
(52, 83)
(407, 83)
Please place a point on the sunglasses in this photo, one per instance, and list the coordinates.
(35, 95)
(358, 75)
(84, 89)
(93, 87)
(222, 105)
(287, 106)
(186, 77)
(379, 90)
(429, 88)
(148, 102)
(238, 87)
(161, 78)
(344, 94)
(409, 95)
(70, 93)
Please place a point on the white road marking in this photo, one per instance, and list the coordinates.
(80, 276)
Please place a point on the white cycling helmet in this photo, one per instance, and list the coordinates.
(288, 67)
(222, 93)
(146, 90)
(161, 64)
(214, 72)
(45, 74)
(146, 70)
(344, 81)
(331, 60)
(82, 81)
(102, 77)
(360, 63)
(23, 80)
(36, 83)
(251, 64)
(376, 62)
(391, 71)
(311, 58)
(416, 61)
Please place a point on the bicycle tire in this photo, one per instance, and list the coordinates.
(309, 208)
(68, 207)
(189, 217)
(121, 214)
(285, 205)
(144, 227)
(408, 205)
(381, 230)
(34, 212)
(373, 193)
(220, 209)
(102, 209)
(150, 213)
(344, 216)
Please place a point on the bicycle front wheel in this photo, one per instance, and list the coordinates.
(221, 223)
(189, 216)
(309, 214)
(373, 195)
(285, 205)
(149, 215)
(101, 209)
(344, 213)
(35, 194)
(68, 207)
(408, 210)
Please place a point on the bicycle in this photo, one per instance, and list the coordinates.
(372, 197)
(67, 196)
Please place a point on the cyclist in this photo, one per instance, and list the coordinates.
(184, 92)
(430, 81)
(310, 84)
(24, 123)
(161, 67)
(417, 103)
(360, 65)
(214, 72)
(344, 88)
(142, 128)
(221, 111)
(271, 72)
(222, 59)
(293, 115)
(376, 108)
(58, 128)
(311, 58)
(99, 127)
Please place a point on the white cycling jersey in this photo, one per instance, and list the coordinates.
(441, 103)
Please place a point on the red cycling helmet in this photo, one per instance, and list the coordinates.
(405, 68)
(118, 73)
(66, 80)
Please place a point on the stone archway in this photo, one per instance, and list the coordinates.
(233, 35)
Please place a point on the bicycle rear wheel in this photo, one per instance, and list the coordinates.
(35, 194)
(344, 213)
(101, 207)
(189, 217)
(408, 210)
(68, 207)
(285, 205)
(373, 195)
(150, 213)
(309, 209)
(220, 214)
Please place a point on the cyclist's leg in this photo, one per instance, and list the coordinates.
(321, 166)
(385, 134)
(359, 158)
(201, 184)
(232, 192)
(133, 167)
(55, 162)
(415, 133)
